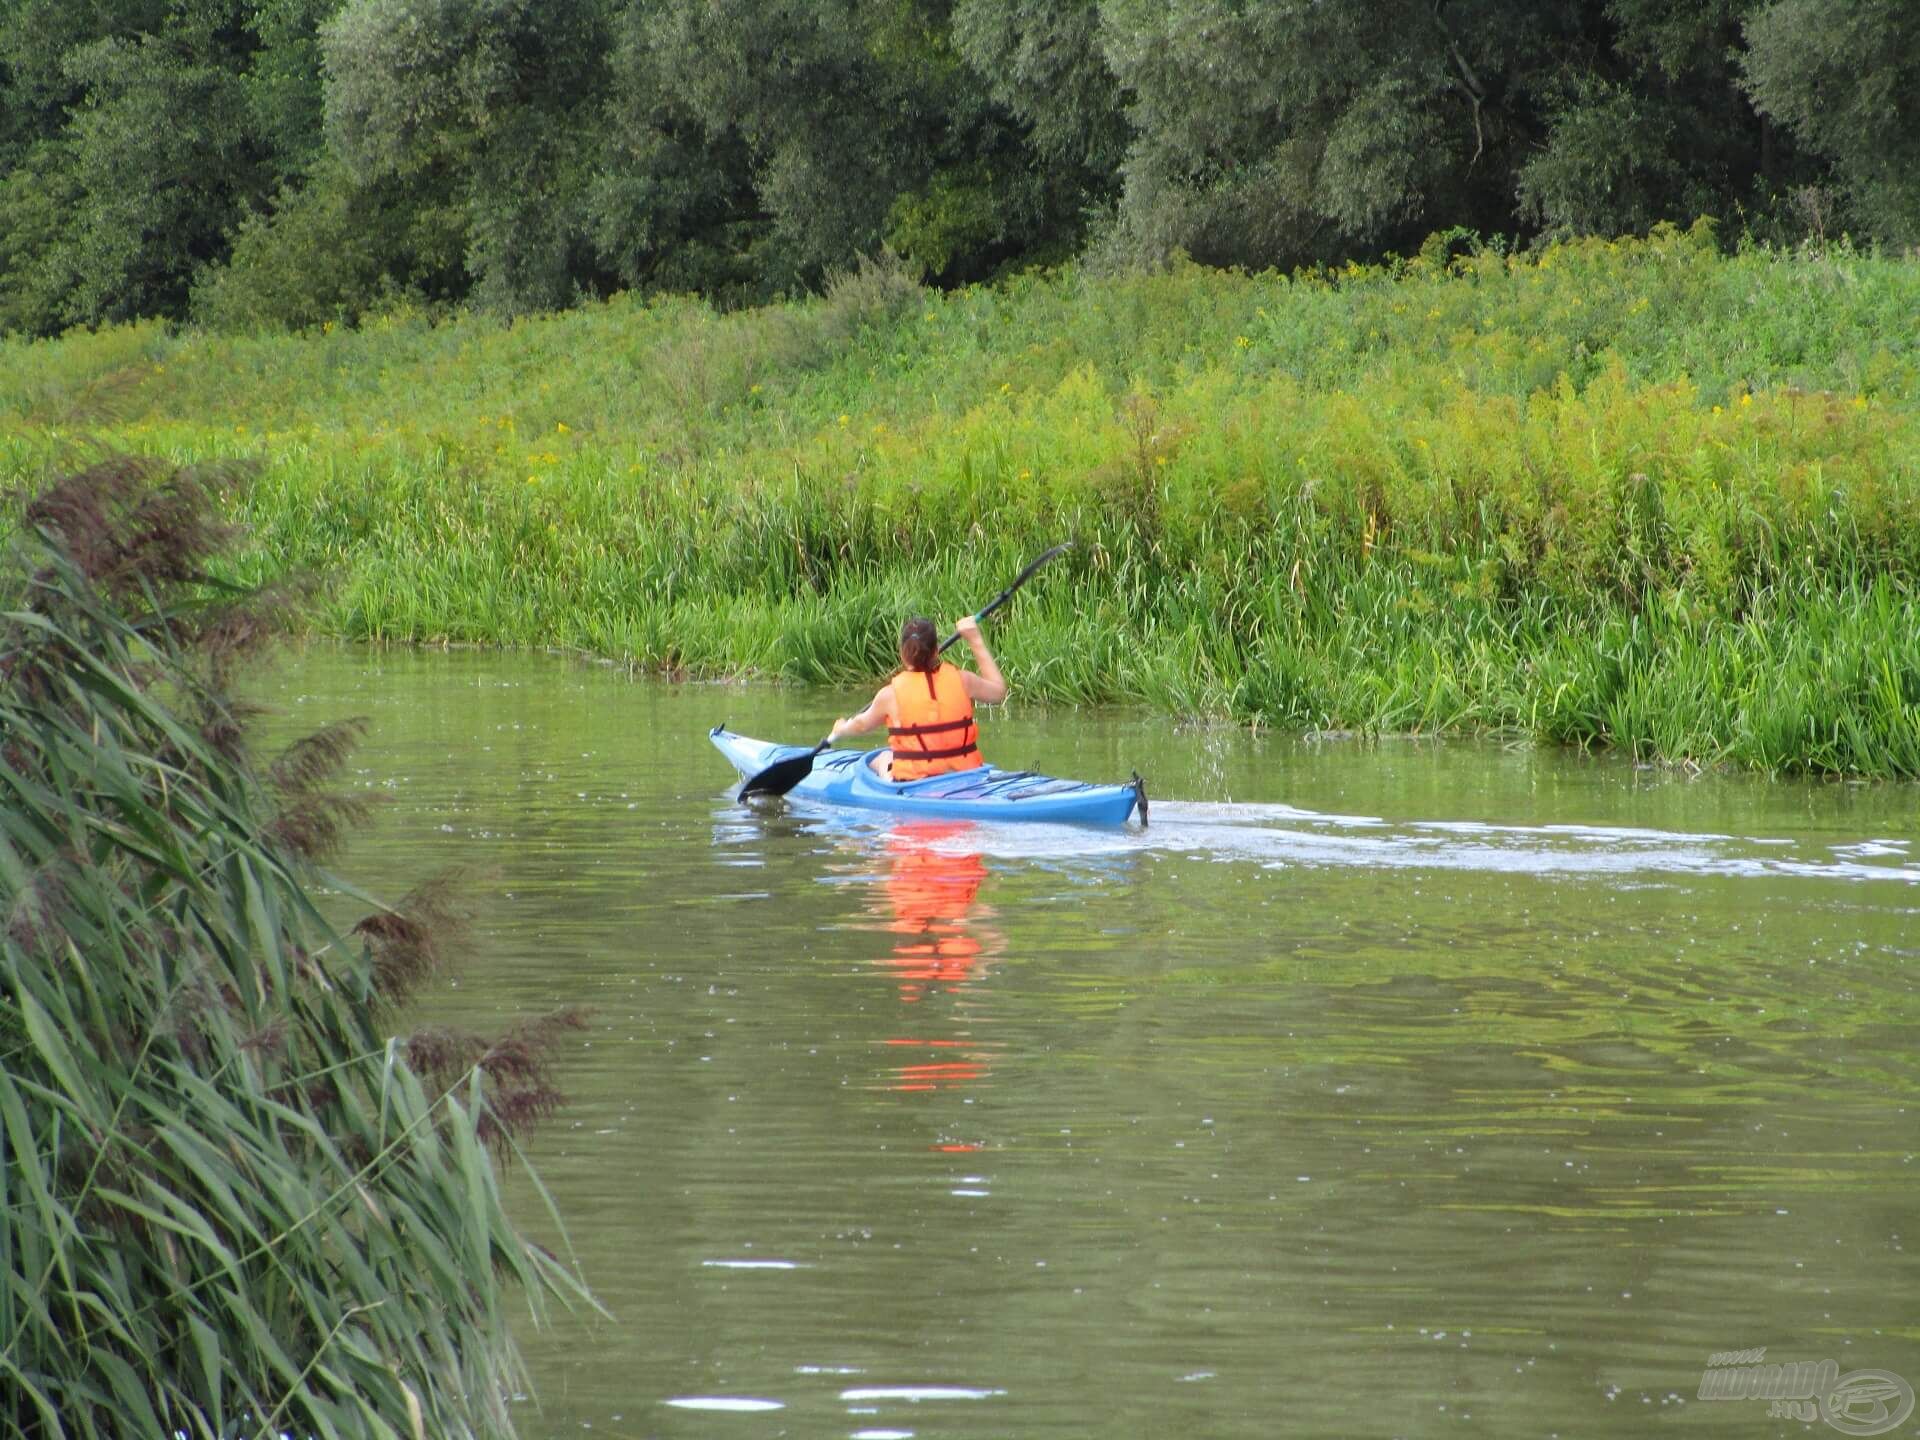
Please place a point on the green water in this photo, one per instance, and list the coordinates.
(1378, 1088)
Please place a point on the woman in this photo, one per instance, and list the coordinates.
(928, 707)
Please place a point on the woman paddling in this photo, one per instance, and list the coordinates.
(928, 707)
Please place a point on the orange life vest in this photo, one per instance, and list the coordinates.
(932, 730)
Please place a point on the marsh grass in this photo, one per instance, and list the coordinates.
(1592, 494)
(231, 1200)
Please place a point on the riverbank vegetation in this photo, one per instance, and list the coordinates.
(1635, 494)
(230, 1203)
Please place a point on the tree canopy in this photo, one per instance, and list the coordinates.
(282, 162)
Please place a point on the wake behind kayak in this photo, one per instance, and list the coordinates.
(843, 777)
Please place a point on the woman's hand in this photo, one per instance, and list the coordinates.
(989, 685)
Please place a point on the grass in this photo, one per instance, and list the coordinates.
(1636, 494)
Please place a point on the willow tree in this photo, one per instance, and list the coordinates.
(230, 1201)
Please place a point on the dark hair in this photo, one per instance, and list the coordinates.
(920, 645)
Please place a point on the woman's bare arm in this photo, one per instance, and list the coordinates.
(989, 686)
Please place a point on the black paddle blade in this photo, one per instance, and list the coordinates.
(1140, 799)
(781, 776)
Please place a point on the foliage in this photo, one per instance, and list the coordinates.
(334, 250)
(162, 159)
(1552, 494)
(1841, 74)
(148, 131)
(229, 1202)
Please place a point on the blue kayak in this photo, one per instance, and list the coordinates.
(843, 777)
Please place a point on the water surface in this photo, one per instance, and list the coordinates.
(1378, 1088)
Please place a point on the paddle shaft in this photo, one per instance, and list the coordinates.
(1007, 594)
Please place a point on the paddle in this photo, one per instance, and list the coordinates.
(782, 775)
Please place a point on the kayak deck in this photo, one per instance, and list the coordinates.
(986, 792)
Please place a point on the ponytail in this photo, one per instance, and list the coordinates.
(920, 645)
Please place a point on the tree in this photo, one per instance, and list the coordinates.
(499, 99)
(1841, 75)
(157, 196)
(1271, 133)
(334, 248)
(1043, 61)
(1652, 125)
(137, 134)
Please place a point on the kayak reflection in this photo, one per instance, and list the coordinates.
(928, 901)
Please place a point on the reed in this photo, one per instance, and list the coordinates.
(231, 1201)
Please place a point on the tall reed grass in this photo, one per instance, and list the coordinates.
(1596, 494)
(231, 1202)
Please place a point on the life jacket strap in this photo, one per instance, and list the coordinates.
(937, 728)
(947, 754)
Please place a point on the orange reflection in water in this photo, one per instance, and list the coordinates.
(927, 901)
(930, 890)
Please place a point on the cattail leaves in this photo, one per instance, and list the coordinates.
(227, 1204)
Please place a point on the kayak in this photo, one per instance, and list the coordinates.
(843, 777)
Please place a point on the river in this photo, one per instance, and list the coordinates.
(1379, 1087)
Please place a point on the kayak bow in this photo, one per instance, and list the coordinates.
(843, 777)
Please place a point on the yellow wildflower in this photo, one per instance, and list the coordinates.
(1747, 398)
(844, 419)
(1718, 411)
(1242, 341)
(560, 427)
(1026, 474)
(753, 390)
(533, 479)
